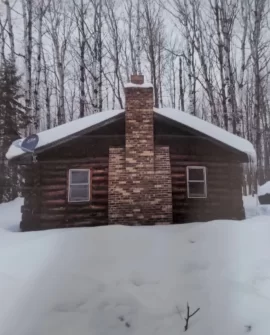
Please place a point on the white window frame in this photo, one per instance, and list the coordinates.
(204, 181)
(71, 184)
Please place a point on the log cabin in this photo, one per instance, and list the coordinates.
(138, 166)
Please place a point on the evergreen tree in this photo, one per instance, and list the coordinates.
(13, 119)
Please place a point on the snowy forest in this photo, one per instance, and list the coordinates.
(65, 59)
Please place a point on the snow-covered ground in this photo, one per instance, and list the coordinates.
(136, 280)
(253, 207)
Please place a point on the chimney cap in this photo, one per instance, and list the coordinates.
(137, 79)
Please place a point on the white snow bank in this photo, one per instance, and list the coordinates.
(144, 85)
(254, 208)
(10, 215)
(135, 280)
(264, 189)
(52, 135)
(209, 129)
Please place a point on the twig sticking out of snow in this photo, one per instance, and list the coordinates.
(248, 328)
(189, 316)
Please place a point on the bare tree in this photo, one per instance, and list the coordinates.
(59, 27)
(153, 40)
(114, 49)
(227, 11)
(260, 58)
(185, 15)
(81, 12)
(244, 64)
(181, 104)
(97, 57)
(27, 11)
(10, 31)
(40, 13)
(48, 91)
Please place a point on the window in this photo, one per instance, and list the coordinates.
(79, 185)
(196, 182)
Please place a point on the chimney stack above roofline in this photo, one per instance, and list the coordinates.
(137, 79)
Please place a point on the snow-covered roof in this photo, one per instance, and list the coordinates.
(144, 85)
(264, 189)
(65, 130)
(210, 130)
(53, 135)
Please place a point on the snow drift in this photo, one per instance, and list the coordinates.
(135, 280)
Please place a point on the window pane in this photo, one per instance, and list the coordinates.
(79, 192)
(196, 190)
(196, 174)
(79, 177)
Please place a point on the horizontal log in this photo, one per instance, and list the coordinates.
(177, 182)
(53, 173)
(99, 201)
(180, 197)
(53, 210)
(99, 178)
(66, 167)
(177, 162)
(179, 189)
(183, 157)
(198, 158)
(200, 212)
(53, 181)
(178, 169)
(100, 186)
(83, 209)
(54, 217)
(178, 175)
(71, 217)
(99, 171)
(90, 206)
(54, 193)
(52, 187)
(74, 160)
(53, 202)
(88, 223)
(100, 192)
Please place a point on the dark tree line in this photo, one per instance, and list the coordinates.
(209, 58)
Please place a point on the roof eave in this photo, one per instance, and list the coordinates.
(70, 137)
(245, 157)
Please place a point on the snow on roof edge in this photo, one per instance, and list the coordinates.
(52, 135)
(207, 128)
(55, 134)
(145, 85)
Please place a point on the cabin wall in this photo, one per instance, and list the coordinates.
(224, 179)
(224, 197)
(46, 183)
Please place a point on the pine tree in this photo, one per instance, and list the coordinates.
(12, 120)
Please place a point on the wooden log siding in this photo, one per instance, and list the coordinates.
(54, 210)
(224, 198)
(45, 189)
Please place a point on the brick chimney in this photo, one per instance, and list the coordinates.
(139, 127)
(139, 174)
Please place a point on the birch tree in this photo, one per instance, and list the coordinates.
(10, 31)
(259, 45)
(27, 12)
(81, 11)
(59, 26)
(40, 14)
